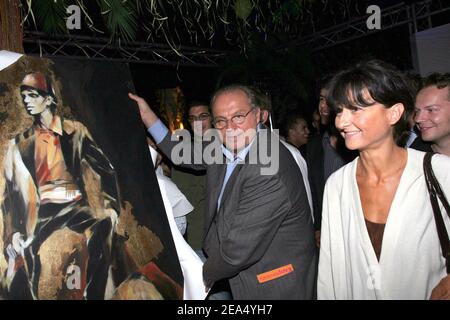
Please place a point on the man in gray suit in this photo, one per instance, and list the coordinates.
(258, 227)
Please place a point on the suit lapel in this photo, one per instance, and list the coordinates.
(237, 169)
(230, 183)
(232, 179)
(215, 181)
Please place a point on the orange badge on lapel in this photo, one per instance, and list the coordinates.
(275, 273)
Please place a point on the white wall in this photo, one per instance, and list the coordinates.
(431, 50)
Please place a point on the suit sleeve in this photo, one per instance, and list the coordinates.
(262, 208)
(184, 153)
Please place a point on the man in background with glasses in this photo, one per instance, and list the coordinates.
(199, 118)
(258, 227)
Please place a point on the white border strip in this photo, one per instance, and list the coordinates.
(8, 58)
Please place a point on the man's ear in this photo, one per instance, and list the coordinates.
(264, 114)
(396, 112)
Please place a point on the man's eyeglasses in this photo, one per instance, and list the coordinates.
(200, 117)
(221, 123)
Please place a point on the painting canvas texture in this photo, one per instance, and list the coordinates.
(81, 214)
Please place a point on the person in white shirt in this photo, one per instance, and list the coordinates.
(177, 206)
(379, 238)
(266, 118)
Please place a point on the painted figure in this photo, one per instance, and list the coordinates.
(61, 203)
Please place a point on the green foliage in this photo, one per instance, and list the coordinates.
(175, 22)
(243, 8)
(50, 15)
(288, 8)
(120, 18)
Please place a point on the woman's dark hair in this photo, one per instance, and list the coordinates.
(385, 84)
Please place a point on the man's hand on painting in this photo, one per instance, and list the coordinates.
(147, 114)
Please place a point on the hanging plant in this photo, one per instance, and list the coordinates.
(51, 15)
(243, 8)
(174, 22)
(120, 18)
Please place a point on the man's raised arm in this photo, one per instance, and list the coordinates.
(162, 137)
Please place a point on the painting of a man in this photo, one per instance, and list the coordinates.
(61, 194)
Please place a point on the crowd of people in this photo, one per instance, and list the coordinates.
(348, 212)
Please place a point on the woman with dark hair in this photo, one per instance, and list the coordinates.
(379, 238)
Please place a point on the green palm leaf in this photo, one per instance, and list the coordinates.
(120, 18)
(50, 15)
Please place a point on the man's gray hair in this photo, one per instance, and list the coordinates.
(249, 92)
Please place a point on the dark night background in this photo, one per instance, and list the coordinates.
(260, 65)
(270, 57)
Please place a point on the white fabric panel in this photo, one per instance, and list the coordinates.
(433, 50)
(191, 264)
(7, 58)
